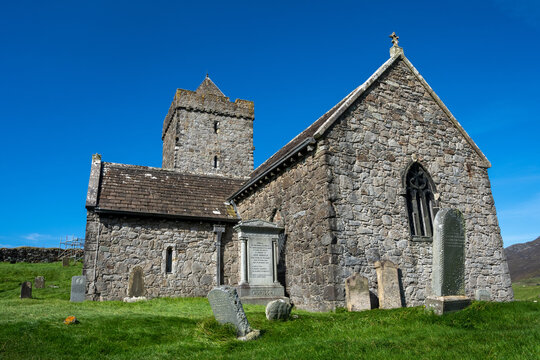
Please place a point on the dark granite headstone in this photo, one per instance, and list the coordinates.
(449, 253)
(65, 261)
(136, 282)
(228, 309)
(78, 288)
(357, 293)
(26, 290)
(39, 282)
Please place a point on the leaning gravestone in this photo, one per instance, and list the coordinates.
(39, 282)
(278, 310)
(448, 274)
(357, 293)
(136, 282)
(26, 290)
(388, 284)
(78, 288)
(228, 309)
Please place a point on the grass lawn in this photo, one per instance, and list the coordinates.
(528, 289)
(184, 328)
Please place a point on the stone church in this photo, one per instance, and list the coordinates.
(361, 184)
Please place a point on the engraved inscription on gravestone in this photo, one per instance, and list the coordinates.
(260, 261)
(26, 290)
(228, 309)
(449, 253)
(78, 288)
(357, 293)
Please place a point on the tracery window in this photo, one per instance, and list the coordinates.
(420, 201)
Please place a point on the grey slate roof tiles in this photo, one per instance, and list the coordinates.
(154, 191)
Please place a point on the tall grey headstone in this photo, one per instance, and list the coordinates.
(26, 290)
(448, 277)
(228, 309)
(136, 282)
(39, 282)
(388, 284)
(448, 273)
(78, 288)
(357, 293)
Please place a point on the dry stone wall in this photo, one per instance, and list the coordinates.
(395, 122)
(32, 254)
(123, 243)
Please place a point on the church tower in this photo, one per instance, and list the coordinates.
(205, 133)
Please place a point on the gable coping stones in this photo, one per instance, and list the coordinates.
(227, 309)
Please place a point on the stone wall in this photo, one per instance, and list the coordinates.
(298, 200)
(200, 127)
(125, 242)
(395, 122)
(32, 254)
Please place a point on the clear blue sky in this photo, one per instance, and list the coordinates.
(78, 78)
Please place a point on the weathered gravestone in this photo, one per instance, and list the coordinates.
(39, 282)
(65, 261)
(136, 282)
(278, 310)
(482, 295)
(228, 309)
(78, 288)
(388, 284)
(448, 274)
(357, 293)
(26, 290)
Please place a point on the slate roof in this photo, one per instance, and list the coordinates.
(154, 191)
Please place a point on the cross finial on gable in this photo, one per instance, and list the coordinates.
(394, 38)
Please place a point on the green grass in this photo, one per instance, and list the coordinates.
(184, 328)
(528, 289)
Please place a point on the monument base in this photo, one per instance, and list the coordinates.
(260, 294)
(447, 304)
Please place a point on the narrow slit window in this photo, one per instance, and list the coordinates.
(420, 201)
(216, 162)
(168, 260)
(216, 127)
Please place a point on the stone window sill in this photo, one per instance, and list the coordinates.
(418, 238)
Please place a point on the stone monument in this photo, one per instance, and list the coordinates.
(448, 274)
(78, 288)
(136, 283)
(227, 309)
(388, 284)
(39, 282)
(357, 293)
(278, 310)
(258, 262)
(482, 295)
(65, 261)
(26, 290)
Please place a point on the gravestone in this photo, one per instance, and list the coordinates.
(78, 288)
(357, 293)
(228, 309)
(448, 274)
(136, 282)
(258, 262)
(482, 295)
(65, 261)
(39, 282)
(278, 310)
(388, 284)
(26, 290)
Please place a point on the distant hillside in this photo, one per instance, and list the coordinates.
(524, 260)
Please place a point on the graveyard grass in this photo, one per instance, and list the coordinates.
(185, 328)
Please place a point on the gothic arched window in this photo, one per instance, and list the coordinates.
(420, 200)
